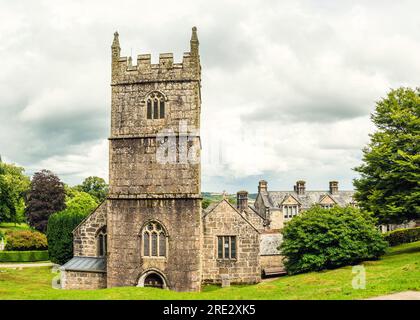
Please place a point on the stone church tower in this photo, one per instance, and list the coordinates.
(154, 225)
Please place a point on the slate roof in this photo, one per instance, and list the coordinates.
(88, 264)
(254, 210)
(265, 199)
(309, 198)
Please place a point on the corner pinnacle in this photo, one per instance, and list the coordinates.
(194, 34)
(194, 42)
(116, 42)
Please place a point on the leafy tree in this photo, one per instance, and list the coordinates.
(205, 203)
(13, 186)
(95, 186)
(45, 197)
(80, 201)
(62, 224)
(389, 183)
(330, 238)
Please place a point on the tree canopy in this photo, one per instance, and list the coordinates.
(13, 186)
(389, 183)
(80, 201)
(46, 196)
(95, 186)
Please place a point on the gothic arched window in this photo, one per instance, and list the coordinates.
(102, 242)
(154, 240)
(155, 104)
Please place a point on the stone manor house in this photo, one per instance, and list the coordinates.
(151, 229)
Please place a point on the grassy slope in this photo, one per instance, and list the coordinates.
(399, 270)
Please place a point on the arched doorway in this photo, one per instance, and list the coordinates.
(153, 280)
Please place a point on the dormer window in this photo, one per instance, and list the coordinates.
(327, 205)
(290, 211)
(155, 105)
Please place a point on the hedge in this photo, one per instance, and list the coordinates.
(401, 236)
(23, 256)
(60, 236)
(25, 240)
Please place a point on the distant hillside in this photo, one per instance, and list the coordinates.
(211, 197)
(218, 195)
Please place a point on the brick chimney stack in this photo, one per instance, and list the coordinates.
(242, 200)
(333, 187)
(300, 187)
(262, 186)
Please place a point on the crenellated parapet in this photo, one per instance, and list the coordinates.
(125, 72)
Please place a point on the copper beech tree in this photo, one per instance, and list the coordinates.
(46, 196)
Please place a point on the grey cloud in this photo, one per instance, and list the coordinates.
(317, 110)
(294, 65)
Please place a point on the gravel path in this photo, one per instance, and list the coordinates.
(25, 265)
(406, 295)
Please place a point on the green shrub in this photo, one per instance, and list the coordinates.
(23, 256)
(1, 235)
(61, 225)
(401, 236)
(330, 238)
(25, 240)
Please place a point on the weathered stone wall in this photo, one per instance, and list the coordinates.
(129, 117)
(83, 280)
(181, 219)
(276, 219)
(225, 220)
(134, 170)
(84, 236)
(133, 166)
(255, 219)
(142, 188)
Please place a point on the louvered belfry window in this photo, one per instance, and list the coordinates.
(155, 104)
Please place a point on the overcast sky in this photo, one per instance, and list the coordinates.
(287, 86)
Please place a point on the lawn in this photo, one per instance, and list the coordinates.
(398, 270)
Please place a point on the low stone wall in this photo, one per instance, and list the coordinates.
(83, 280)
(271, 261)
